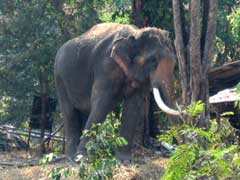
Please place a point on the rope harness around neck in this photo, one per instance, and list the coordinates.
(133, 83)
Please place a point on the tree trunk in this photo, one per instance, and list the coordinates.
(43, 120)
(138, 17)
(194, 52)
(181, 50)
(193, 59)
(208, 53)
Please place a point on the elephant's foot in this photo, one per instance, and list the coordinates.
(125, 155)
(79, 157)
(81, 153)
(125, 158)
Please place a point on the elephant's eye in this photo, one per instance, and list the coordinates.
(151, 63)
(132, 54)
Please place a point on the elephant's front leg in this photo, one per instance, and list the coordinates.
(102, 102)
(133, 112)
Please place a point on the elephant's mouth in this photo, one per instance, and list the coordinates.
(162, 105)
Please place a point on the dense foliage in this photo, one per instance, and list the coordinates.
(30, 34)
(29, 39)
(203, 154)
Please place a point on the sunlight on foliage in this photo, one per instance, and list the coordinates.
(47, 159)
(170, 135)
(176, 168)
(234, 20)
(115, 11)
(237, 103)
(203, 153)
(195, 108)
(4, 105)
(56, 173)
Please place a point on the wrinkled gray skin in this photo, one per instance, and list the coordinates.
(109, 64)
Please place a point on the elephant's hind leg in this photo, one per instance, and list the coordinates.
(72, 123)
(73, 131)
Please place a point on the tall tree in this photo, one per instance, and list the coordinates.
(195, 54)
(138, 17)
(30, 34)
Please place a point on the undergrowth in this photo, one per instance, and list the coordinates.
(203, 153)
(102, 148)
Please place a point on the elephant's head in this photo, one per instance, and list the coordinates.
(149, 57)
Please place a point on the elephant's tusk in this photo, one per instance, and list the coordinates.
(162, 105)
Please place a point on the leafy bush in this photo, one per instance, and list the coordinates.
(102, 147)
(205, 153)
(56, 173)
(234, 20)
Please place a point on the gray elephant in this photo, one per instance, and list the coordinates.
(108, 64)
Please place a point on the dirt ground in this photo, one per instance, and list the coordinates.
(24, 166)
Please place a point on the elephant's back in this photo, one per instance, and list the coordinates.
(102, 30)
(78, 51)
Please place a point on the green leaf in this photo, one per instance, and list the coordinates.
(230, 113)
(220, 153)
(121, 141)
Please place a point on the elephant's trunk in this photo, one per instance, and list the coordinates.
(162, 105)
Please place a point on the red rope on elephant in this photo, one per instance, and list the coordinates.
(123, 66)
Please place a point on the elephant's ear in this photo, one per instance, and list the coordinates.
(123, 47)
(123, 51)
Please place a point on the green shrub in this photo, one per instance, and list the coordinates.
(205, 153)
(56, 173)
(234, 20)
(102, 146)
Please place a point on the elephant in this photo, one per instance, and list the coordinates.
(109, 64)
